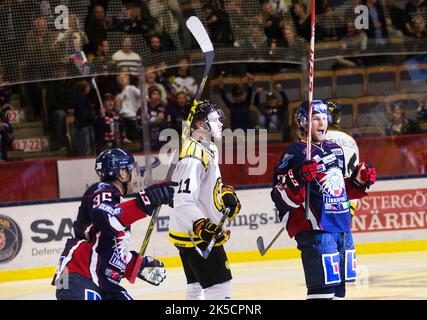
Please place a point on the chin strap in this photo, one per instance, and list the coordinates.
(125, 183)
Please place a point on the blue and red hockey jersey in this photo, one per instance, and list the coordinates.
(99, 249)
(329, 192)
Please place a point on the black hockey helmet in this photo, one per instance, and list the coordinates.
(335, 112)
(204, 108)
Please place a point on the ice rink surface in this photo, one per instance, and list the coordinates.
(381, 276)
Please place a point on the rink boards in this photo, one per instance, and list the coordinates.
(393, 218)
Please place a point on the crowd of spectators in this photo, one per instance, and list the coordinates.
(117, 120)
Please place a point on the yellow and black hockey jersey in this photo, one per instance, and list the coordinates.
(198, 194)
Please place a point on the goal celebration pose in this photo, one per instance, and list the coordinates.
(324, 237)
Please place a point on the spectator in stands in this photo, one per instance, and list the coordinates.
(240, 19)
(137, 20)
(240, 117)
(167, 15)
(84, 117)
(419, 28)
(73, 39)
(5, 90)
(156, 117)
(280, 8)
(151, 80)
(399, 124)
(331, 24)
(159, 44)
(219, 26)
(177, 110)
(274, 114)
(41, 54)
(107, 125)
(271, 22)
(101, 61)
(126, 57)
(377, 24)
(288, 38)
(422, 111)
(354, 41)
(256, 47)
(129, 101)
(6, 137)
(302, 19)
(415, 8)
(182, 80)
(162, 77)
(397, 17)
(59, 103)
(96, 27)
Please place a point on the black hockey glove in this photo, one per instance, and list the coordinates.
(205, 230)
(230, 200)
(150, 198)
(152, 271)
(298, 176)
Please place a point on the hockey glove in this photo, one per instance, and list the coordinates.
(363, 176)
(150, 198)
(297, 177)
(205, 230)
(230, 200)
(152, 271)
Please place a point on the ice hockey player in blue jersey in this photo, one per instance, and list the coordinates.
(97, 257)
(324, 239)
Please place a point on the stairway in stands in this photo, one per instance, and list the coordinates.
(31, 139)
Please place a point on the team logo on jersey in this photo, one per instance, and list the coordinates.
(335, 199)
(340, 163)
(333, 182)
(121, 250)
(337, 152)
(285, 160)
(217, 195)
(10, 239)
(331, 267)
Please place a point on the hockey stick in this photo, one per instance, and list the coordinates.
(200, 34)
(205, 253)
(260, 242)
(310, 101)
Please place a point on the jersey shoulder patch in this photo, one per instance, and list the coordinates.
(194, 149)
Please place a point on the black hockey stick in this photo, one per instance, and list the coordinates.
(260, 242)
(205, 253)
(200, 34)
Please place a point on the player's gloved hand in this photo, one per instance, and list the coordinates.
(297, 177)
(152, 271)
(148, 199)
(230, 200)
(205, 230)
(363, 176)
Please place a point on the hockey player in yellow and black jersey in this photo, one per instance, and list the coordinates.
(201, 198)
